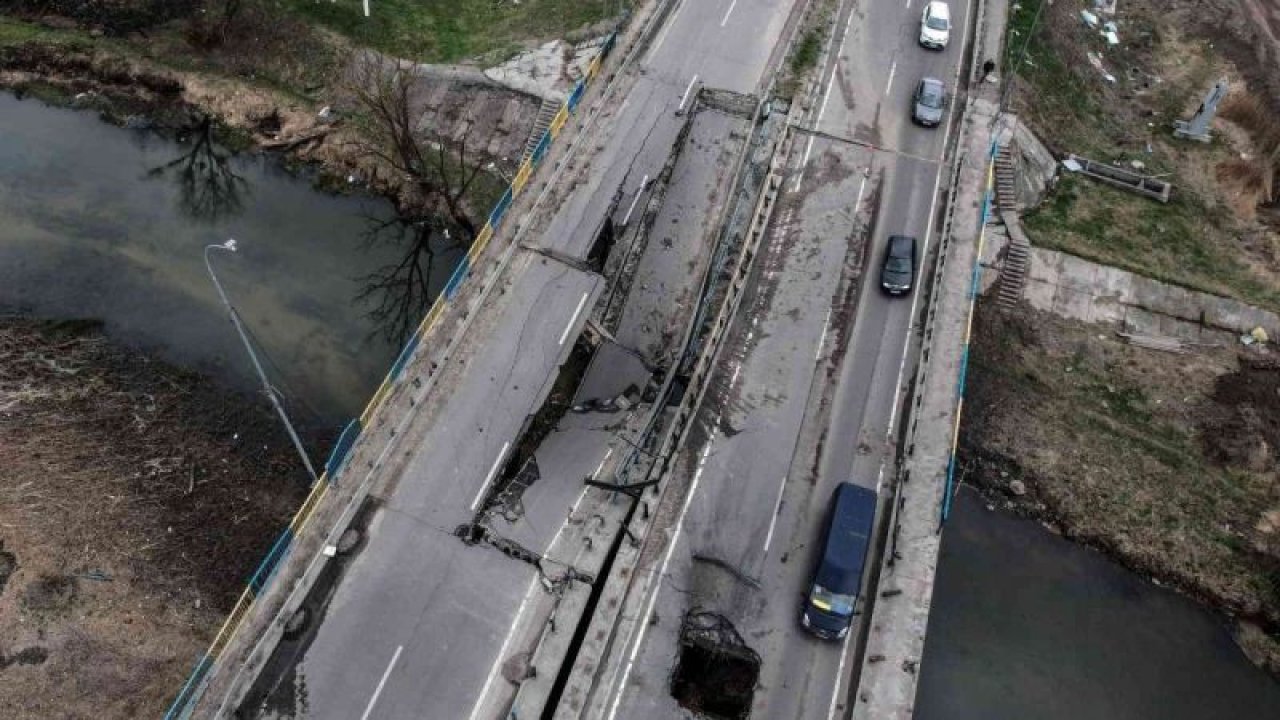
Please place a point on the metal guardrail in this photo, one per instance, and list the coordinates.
(192, 689)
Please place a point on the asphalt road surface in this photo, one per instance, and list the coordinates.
(417, 623)
(810, 381)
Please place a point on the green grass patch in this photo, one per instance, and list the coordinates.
(17, 32)
(1180, 242)
(443, 31)
(807, 50)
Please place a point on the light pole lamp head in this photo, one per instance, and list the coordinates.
(230, 244)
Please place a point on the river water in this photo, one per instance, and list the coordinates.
(102, 222)
(1027, 624)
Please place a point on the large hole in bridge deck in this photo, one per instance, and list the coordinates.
(521, 470)
(716, 675)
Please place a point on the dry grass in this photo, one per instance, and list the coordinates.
(1253, 175)
(133, 517)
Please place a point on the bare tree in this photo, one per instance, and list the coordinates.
(437, 168)
(208, 187)
(402, 291)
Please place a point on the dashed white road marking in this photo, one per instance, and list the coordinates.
(577, 311)
(893, 67)
(381, 683)
(826, 324)
(644, 182)
(489, 478)
(685, 97)
(773, 520)
(728, 12)
(600, 467)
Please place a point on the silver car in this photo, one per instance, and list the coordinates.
(929, 102)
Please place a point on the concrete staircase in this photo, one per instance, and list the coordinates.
(1017, 258)
(546, 114)
(1006, 180)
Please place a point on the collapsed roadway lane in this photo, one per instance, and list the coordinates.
(417, 623)
(805, 395)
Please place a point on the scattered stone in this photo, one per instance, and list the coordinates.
(1017, 487)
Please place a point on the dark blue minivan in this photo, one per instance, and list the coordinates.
(828, 609)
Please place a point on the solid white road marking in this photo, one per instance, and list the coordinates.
(835, 693)
(506, 643)
(685, 97)
(577, 311)
(639, 191)
(893, 67)
(489, 478)
(732, 5)
(378, 690)
(653, 599)
(777, 506)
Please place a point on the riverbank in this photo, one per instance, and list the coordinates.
(135, 500)
(1166, 462)
(281, 76)
(1027, 624)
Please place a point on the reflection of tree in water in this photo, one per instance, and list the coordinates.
(402, 291)
(208, 187)
(437, 221)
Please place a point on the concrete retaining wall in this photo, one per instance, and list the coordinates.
(1075, 288)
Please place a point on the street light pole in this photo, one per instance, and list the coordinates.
(230, 246)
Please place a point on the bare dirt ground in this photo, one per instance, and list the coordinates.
(1167, 462)
(135, 501)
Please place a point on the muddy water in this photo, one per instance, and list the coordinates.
(92, 224)
(1026, 624)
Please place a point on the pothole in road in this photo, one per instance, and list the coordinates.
(716, 675)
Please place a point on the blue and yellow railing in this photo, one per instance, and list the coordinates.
(192, 689)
